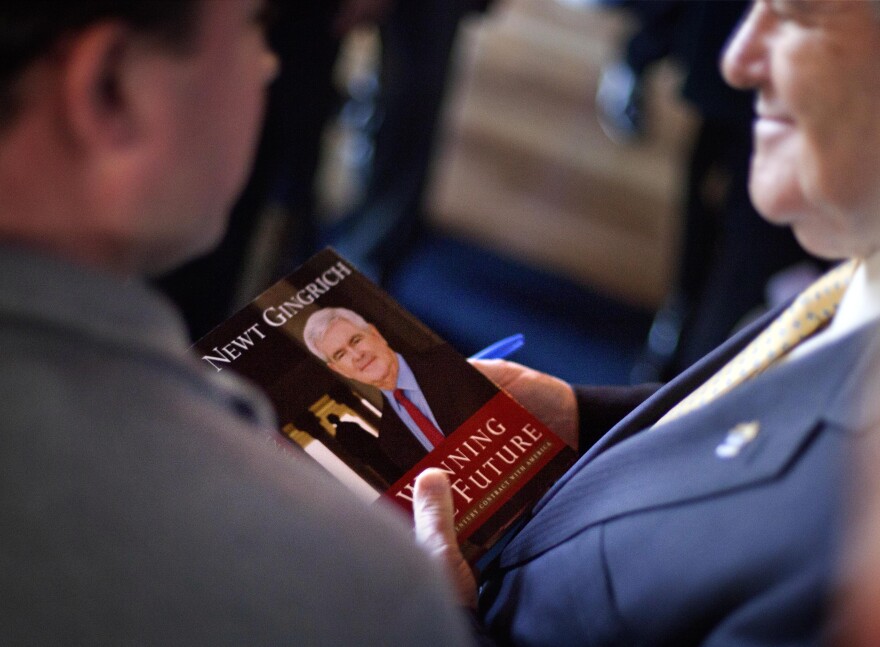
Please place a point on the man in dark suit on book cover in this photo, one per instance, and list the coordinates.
(427, 394)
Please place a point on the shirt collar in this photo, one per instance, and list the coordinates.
(860, 304)
(861, 301)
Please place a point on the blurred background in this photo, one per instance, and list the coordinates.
(571, 170)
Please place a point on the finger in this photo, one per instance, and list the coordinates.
(433, 511)
(499, 371)
(435, 531)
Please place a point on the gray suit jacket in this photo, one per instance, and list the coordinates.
(653, 539)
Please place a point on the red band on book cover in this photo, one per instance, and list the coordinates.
(488, 460)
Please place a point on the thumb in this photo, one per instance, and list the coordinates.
(435, 531)
(433, 511)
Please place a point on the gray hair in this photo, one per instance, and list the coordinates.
(320, 320)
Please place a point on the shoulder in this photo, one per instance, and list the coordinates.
(179, 498)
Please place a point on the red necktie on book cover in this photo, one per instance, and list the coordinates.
(434, 435)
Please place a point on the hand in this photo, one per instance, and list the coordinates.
(435, 531)
(549, 398)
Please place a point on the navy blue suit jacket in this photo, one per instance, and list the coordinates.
(653, 539)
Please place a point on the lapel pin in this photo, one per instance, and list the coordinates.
(737, 438)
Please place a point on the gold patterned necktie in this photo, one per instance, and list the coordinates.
(808, 313)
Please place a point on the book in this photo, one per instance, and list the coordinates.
(374, 396)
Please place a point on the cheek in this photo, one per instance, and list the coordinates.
(346, 370)
(238, 135)
(841, 172)
(841, 130)
(377, 365)
(245, 112)
(236, 116)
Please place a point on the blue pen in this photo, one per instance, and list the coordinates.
(501, 349)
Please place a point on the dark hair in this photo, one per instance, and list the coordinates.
(29, 29)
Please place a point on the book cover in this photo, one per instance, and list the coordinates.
(373, 396)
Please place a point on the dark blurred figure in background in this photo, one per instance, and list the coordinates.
(728, 251)
(417, 40)
(620, 96)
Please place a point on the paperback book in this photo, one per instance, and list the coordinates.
(373, 396)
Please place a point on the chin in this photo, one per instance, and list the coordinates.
(157, 265)
(778, 213)
(170, 256)
(775, 186)
(822, 244)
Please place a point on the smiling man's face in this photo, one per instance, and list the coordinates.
(813, 64)
(360, 354)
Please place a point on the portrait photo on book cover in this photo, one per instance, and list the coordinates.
(357, 381)
(410, 393)
(369, 393)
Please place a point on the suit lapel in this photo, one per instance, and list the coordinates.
(397, 440)
(679, 462)
(666, 397)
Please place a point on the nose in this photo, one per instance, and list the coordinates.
(271, 66)
(356, 352)
(745, 64)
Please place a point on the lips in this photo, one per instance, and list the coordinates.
(769, 125)
(770, 116)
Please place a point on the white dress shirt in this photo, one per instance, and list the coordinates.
(860, 304)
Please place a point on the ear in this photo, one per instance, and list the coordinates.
(97, 111)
